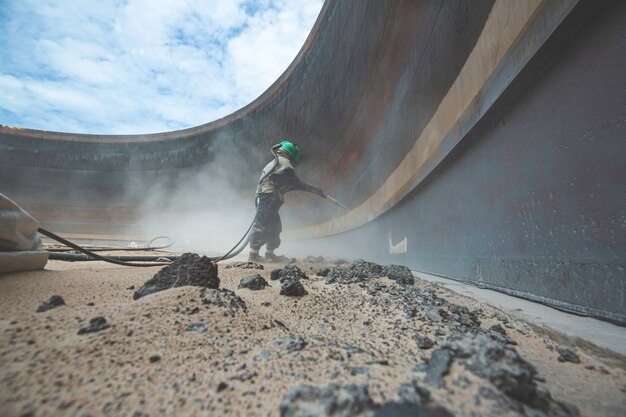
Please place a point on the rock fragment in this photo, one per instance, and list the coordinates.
(507, 371)
(331, 401)
(413, 393)
(498, 329)
(245, 265)
(289, 278)
(245, 376)
(399, 273)
(290, 343)
(365, 269)
(360, 271)
(189, 269)
(504, 368)
(437, 368)
(288, 272)
(253, 282)
(338, 274)
(54, 302)
(223, 298)
(343, 400)
(424, 342)
(292, 286)
(323, 272)
(199, 327)
(398, 409)
(96, 324)
(432, 315)
(567, 355)
(359, 370)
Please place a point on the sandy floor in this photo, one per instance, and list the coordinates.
(235, 361)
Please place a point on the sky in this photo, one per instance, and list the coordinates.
(142, 66)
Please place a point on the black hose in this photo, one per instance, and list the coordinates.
(93, 255)
(87, 254)
(108, 249)
(232, 253)
(81, 257)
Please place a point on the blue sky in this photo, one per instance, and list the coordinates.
(142, 66)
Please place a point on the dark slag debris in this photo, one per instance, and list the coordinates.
(223, 298)
(290, 343)
(54, 302)
(323, 272)
(424, 342)
(360, 271)
(437, 368)
(198, 327)
(365, 269)
(486, 353)
(400, 273)
(253, 282)
(293, 287)
(245, 265)
(96, 324)
(349, 400)
(189, 269)
(506, 370)
(396, 409)
(289, 278)
(288, 272)
(567, 355)
(330, 401)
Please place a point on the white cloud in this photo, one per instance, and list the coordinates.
(141, 66)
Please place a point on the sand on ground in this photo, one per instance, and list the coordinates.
(170, 353)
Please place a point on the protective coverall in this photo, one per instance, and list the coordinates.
(269, 198)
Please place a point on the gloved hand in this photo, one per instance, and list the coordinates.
(318, 191)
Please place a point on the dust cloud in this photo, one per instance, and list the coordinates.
(203, 209)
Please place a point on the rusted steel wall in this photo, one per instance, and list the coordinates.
(479, 140)
(531, 201)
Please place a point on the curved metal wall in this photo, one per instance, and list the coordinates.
(479, 141)
(361, 58)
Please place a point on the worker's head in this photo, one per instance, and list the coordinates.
(290, 150)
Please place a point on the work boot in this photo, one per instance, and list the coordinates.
(255, 257)
(272, 257)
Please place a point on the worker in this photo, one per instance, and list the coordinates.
(277, 178)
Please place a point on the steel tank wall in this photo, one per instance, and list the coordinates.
(532, 201)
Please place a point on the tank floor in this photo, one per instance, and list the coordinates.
(181, 352)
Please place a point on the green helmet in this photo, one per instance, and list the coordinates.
(291, 149)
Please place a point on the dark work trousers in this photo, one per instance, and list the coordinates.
(267, 226)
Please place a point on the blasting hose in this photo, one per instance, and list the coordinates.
(88, 254)
(92, 256)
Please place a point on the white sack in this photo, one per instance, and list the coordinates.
(20, 243)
